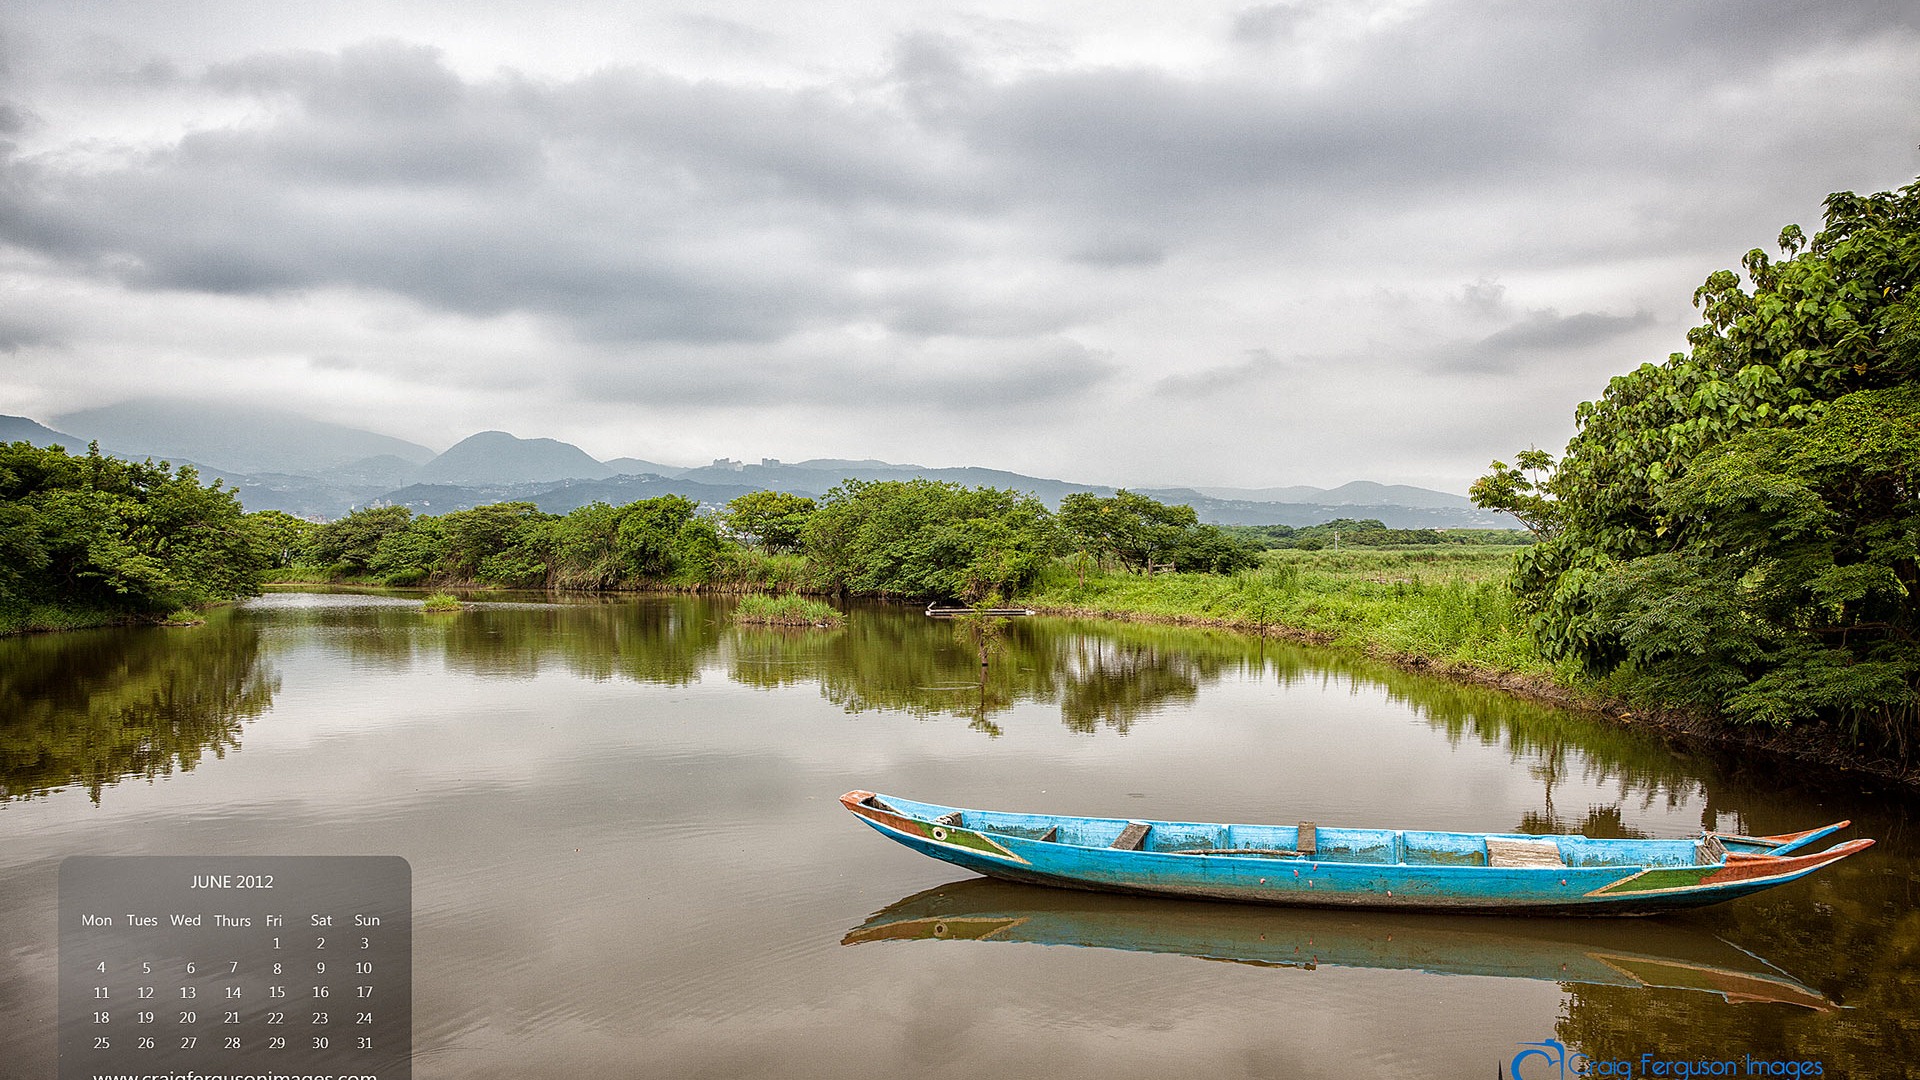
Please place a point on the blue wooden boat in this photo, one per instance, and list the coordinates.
(1376, 868)
(1668, 955)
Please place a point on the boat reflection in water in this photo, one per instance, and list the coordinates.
(1639, 953)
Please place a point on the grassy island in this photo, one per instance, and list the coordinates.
(789, 610)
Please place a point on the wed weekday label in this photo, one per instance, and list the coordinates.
(230, 966)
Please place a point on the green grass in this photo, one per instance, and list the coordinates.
(315, 575)
(789, 609)
(36, 618)
(1448, 604)
(441, 602)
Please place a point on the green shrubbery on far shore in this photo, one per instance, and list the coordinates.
(1447, 604)
(87, 539)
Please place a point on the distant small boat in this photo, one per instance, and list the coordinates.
(1374, 868)
(934, 609)
(1596, 952)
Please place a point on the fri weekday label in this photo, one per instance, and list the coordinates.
(236, 965)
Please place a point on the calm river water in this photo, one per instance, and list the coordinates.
(628, 858)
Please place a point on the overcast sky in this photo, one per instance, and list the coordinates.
(1129, 243)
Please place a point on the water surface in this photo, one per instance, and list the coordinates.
(628, 858)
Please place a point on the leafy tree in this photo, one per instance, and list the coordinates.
(1734, 524)
(352, 541)
(1796, 592)
(774, 520)
(280, 538)
(411, 553)
(584, 555)
(1136, 530)
(925, 538)
(647, 536)
(1521, 490)
(98, 534)
(1210, 549)
(499, 543)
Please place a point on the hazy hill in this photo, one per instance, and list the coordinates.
(280, 461)
(495, 457)
(247, 440)
(815, 476)
(562, 497)
(1393, 516)
(633, 466)
(21, 429)
(1357, 493)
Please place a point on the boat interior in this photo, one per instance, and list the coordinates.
(1324, 845)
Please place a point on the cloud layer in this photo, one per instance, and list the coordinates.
(1268, 244)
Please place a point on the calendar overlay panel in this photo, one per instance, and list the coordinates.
(236, 966)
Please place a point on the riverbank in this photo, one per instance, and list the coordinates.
(1442, 613)
(52, 618)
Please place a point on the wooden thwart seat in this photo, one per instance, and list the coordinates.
(1132, 836)
(1524, 854)
(1709, 852)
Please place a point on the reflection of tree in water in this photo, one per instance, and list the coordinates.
(1109, 675)
(887, 659)
(770, 657)
(1600, 822)
(654, 640)
(91, 707)
(1860, 952)
(651, 639)
(1118, 682)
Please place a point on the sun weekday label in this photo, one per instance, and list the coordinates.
(221, 965)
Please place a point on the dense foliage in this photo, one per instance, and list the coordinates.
(517, 545)
(1140, 533)
(772, 520)
(105, 537)
(894, 538)
(87, 539)
(1738, 527)
(1368, 533)
(926, 538)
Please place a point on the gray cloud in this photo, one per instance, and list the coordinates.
(1539, 334)
(929, 219)
(1255, 368)
(981, 383)
(15, 335)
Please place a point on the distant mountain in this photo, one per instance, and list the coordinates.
(559, 498)
(280, 461)
(381, 471)
(1393, 516)
(495, 457)
(248, 440)
(633, 466)
(1357, 493)
(21, 429)
(817, 475)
